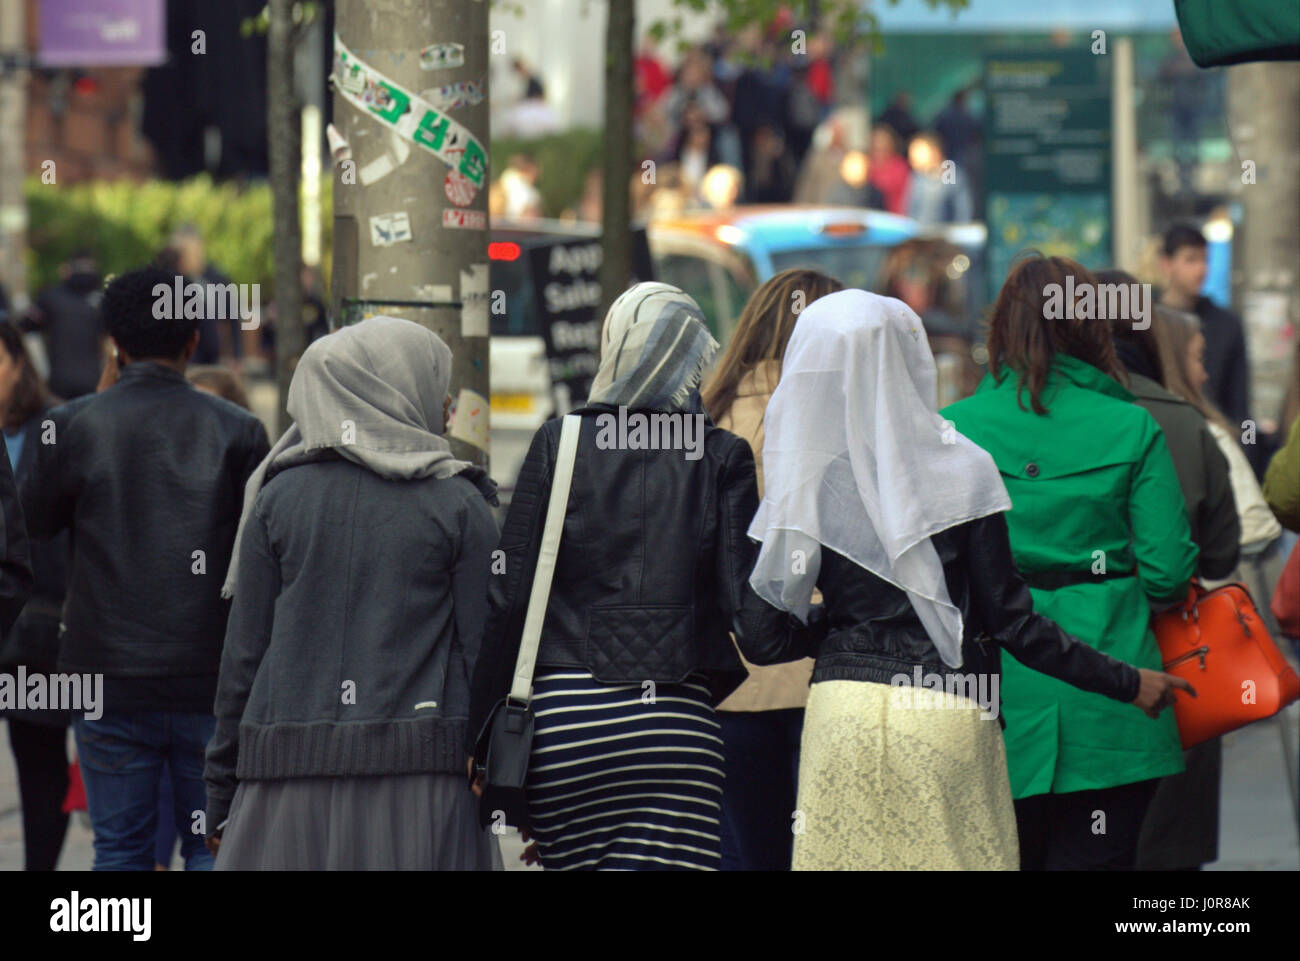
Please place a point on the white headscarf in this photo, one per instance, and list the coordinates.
(857, 458)
(654, 349)
(373, 392)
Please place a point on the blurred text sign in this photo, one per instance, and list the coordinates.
(1047, 162)
(566, 282)
(102, 33)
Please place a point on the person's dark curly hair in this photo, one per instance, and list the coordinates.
(129, 314)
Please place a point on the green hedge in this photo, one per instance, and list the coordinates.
(126, 223)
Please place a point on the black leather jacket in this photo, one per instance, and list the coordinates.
(33, 641)
(145, 475)
(874, 634)
(652, 573)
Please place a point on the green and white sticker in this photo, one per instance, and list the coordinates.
(412, 117)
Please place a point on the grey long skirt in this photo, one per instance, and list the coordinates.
(406, 822)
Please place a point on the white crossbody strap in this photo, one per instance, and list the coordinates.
(522, 688)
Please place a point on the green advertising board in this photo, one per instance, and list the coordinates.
(1047, 156)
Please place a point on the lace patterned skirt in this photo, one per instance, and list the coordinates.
(886, 786)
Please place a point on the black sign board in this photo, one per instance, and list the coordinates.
(566, 283)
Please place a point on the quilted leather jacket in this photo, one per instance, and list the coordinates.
(145, 475)
(873, 633)
(652, 572)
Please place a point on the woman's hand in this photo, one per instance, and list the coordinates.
(475, 780)
(213, 844)
(530, 855)
(1156, 692)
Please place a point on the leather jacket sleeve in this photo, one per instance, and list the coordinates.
(765, 634)
(508, 591)
(1006, 609)
(15, 562)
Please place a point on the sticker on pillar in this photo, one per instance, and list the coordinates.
(340, 149)
(410, 116)
(459, 189)
(470, 420)
(440, 56)
(453, 96)
(389, 229)
(474, 301)
(387, 162)
(464, 219)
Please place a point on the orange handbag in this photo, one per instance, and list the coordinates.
(1217, 642)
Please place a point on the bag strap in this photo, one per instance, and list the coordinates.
(521, 689)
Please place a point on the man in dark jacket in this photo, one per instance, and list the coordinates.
(149, 477)
(67, 315)
(1183, 257)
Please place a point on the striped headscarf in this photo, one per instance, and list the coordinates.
(655, 348)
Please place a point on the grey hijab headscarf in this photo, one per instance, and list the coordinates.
(373, 392)
(654, 349)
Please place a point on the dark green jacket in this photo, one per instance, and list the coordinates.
(1202, 474)
(1095, 500)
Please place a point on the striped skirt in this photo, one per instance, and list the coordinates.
(623, 778)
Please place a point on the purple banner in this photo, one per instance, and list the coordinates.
(102, 33)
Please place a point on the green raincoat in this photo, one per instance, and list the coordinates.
(1094, 499)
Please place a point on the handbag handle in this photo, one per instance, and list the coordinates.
(521, 689)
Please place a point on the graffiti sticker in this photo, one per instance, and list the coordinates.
(412, 117)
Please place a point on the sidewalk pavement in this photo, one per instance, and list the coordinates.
(1258, 833)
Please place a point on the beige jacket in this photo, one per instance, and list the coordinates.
(780, 685)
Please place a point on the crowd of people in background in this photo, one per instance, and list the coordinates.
(754, 118)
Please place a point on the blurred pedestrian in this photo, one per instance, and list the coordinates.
(1189, 377)
(359, 595)
(219, 338)
(898, 117)
(937, 193)
(651, 574)
(957, 129)
(1202, 469)
(37, 737)
(147, 476)
(1100, 531)
(1183, 260)
(889, 172)
(873, 499)
(762, 720)
(67, 316)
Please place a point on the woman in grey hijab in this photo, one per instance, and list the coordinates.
(358, 581)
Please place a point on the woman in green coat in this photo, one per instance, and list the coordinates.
(1100, 533)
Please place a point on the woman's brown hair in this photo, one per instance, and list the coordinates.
(31, 396)
(1023, 339)
(762, 332)
(220, 381)
(1180, 330)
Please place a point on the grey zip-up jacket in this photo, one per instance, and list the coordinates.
(355, 625)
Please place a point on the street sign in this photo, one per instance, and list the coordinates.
(1047, 156)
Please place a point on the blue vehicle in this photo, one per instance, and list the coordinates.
(720, 257)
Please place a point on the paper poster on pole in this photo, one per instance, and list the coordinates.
(474, 301)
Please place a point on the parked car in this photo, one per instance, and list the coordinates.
(720, 257)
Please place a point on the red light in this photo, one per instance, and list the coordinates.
(85, 85)
(503, 250)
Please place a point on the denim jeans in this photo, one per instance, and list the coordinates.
(759, 794)
(122, 757)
